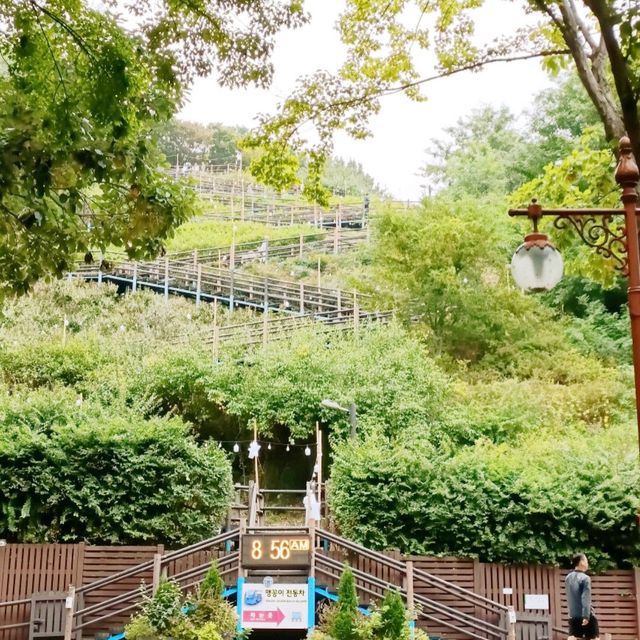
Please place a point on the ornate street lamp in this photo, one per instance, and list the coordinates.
(537, 264)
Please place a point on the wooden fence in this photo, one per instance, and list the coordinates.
(25, 569)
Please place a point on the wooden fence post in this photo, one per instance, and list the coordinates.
(195, 258)
(216, 333)
(356, 312)
(511, 620)
(409, 588)
(302, 298)
(157, 571)
(134, 282)
(336, 239)
(301, 251)
(69, 611)
(339, 302)
(166, 279)
(199, 285)
(636, 576)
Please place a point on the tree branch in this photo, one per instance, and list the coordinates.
(620, 71)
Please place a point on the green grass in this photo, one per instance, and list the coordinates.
(214, 233)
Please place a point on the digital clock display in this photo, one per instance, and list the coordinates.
(272, 550)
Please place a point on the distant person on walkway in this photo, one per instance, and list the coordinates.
(582, 620)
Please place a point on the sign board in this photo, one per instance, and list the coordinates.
(281, 606)
(536, 601)
(271, 550)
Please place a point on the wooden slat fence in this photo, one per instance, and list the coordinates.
(26, 568)
(29, 568)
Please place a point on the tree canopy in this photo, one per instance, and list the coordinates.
(81, 96)
(385, 44)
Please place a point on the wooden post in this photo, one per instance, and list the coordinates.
(216, 333)
(232, 250)
(312, 540)
(255, 460)
(99, 277)
(265, 313)
(166, 279)
(195, 258)
(511, 620)
(339, 302)
(157, 571)
(636, 576)
(319, 462)
(134, 282)
(302, 298)
(198, 285)
(409, 588)
(301, 250)
(69, 611)
(356, 312)
(319, 272)
(242, 528)
(336, 239)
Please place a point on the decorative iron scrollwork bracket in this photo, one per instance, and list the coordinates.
(599, 232)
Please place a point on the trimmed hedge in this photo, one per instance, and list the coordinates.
(106, 479)
(538, 501)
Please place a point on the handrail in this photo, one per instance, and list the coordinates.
(11, 603)
(148, 564)
(470, 596)
(383, 584)
(461, 617)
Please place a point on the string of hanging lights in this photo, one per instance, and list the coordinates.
(254, 446)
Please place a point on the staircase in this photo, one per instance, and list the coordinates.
(446, 609)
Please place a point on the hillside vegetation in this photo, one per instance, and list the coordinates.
(490, 424)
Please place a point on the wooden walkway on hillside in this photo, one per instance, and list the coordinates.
(229, 287)
(279, 249)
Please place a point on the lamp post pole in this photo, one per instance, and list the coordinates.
(621, 245)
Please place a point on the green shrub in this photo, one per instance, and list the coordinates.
(110, 479)
(535, 500)
(344, 622)
(163, 610)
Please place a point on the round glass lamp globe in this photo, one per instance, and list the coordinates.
(537, 266)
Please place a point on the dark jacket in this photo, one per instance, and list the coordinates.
(578, 585)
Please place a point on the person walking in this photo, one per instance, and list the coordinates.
(582, 620)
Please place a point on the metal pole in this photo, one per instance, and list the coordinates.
(627, 176)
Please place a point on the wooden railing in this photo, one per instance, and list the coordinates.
(446, 604)
(187, 567)
(264, 250)
(230, 287)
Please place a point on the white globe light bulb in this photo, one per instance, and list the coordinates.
(537, 265)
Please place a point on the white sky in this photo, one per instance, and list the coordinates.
(403, 129)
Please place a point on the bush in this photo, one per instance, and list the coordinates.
(344, 622)
(168, 615)
(534, 501)
(107, 479)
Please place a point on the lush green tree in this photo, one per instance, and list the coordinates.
(479, 156)
(190, 142)
(81, 97)
(393, 619)
(385, 45)
(344, 622)
(348, 178)
(556, 121)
